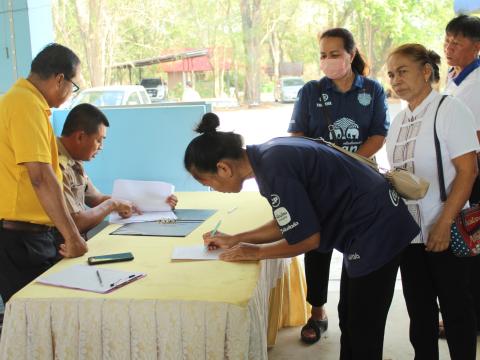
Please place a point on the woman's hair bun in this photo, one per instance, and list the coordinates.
(208, 124)
(435, 62)
(434, 57)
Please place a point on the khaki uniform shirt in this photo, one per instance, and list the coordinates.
(77, 187)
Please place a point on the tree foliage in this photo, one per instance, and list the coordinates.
(251, 34)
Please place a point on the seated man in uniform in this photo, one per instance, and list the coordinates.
(82, 137)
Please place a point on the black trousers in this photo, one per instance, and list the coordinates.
(362, 311)
(475, 287)
(426, 276)
(317, 273)
(475, 266)
(23, 257)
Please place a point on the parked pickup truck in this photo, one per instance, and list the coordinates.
(156, 88)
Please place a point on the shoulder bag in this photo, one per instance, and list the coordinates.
(408, 185)
(465, 230)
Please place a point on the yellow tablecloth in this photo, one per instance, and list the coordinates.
(188, 310)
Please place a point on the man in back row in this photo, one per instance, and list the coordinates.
(462, 47)
(82, 138)
(32, 204)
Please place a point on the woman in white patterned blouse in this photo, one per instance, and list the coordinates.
(429, 269)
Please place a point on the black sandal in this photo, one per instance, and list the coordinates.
(319, 326)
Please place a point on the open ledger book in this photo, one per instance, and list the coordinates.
(187, 221)
(90, 278)
(149, 196)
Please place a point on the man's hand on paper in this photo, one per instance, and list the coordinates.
(126, 208)
(219, 240)
(172, 201)
(241, 252)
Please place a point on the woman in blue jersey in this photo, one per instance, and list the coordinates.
(349, 109)
(321, 199)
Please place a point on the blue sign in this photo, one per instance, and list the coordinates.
(466, 6)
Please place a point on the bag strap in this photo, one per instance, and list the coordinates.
(438, 152)
(358, 157)
(326, 114)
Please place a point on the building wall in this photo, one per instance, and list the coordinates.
(26, 27)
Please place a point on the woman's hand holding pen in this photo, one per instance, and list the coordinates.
(219, 240)
(241, 252)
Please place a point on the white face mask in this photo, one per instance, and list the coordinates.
(335, 68)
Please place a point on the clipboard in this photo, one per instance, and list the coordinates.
(90, 278)
(187, 221)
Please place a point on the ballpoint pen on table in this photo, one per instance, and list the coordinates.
(214, 231)
(232, 210)
(99, 278)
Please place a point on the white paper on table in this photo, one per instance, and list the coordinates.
(167, 216)
(84, 277)
(149, 196)
(197, 252)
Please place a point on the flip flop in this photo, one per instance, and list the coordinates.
(318, 326)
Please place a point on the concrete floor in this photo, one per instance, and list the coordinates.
(396, 346)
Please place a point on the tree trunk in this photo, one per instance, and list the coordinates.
(276, 53)
(251, 21)
(91, 17)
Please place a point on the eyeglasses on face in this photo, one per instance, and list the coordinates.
(76, 88)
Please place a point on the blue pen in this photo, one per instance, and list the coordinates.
(214, 231)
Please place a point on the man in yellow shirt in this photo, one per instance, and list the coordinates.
(32, 206)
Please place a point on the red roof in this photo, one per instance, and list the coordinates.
(200, 63)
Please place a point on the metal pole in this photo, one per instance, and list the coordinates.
(13, 51)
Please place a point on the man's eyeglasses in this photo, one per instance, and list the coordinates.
(75, 86)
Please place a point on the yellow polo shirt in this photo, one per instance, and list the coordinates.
(26, 135)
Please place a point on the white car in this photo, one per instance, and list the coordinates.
(156, 88)
(287, 88)
(116, 95)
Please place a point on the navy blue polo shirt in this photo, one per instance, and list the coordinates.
(313, 188)
(355, 115)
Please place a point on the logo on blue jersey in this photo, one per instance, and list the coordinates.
(275, 200)
(364, 99)
(282, 216)
(325, 100)
(289, 227)
(345, 129)
(353, 256)
(394, 197)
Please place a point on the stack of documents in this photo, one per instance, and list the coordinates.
(90, 278)
(149, 196)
